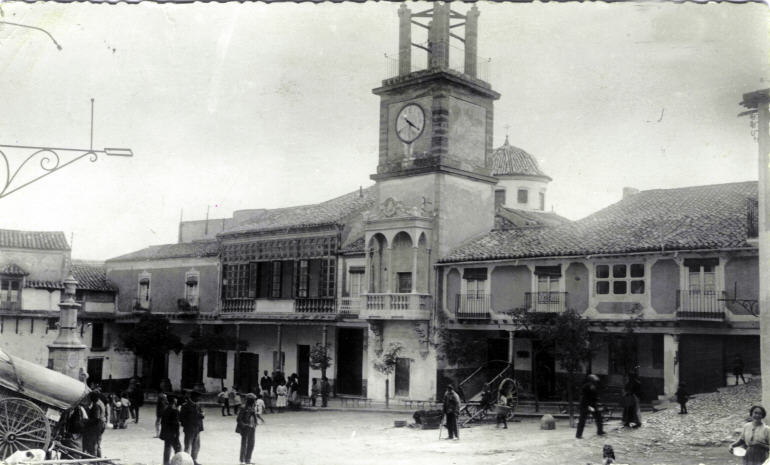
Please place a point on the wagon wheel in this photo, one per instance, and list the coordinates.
(23, 426)
(477, 412)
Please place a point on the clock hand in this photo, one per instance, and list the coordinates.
(409, 122)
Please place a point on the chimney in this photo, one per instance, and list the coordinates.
(471, 40)
(629, 192)
(404, 41)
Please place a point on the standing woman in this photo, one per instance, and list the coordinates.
(246, 426)
(755, 437)
(281, 393)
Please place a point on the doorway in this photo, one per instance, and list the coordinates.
(544, 372)
(94, 370)
(248, 372)
(192, 369)
(303, 368)
(350, 349)
(401, 382)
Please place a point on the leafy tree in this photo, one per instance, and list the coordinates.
(320, 358)
(151, 337)
(386, 364)
(568, 337)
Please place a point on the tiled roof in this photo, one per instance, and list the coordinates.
(182, 250)
(91, 276)
(508, 160)
(508, 218)
(47, 240)
(354, 246)
(329, 212)
(13, 269)
(700, 217)
(37, 284)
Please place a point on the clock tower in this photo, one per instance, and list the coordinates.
(436, 125)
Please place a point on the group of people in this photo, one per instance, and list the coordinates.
(279, 393)
(171, 416)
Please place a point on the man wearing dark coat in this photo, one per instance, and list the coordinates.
(169, 430)
(191, 418)
(589, 400)
(451, 410)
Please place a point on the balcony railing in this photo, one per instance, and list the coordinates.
(10, 305)
(406, 306)
(546, 302)
(698, 304)
(188, 305)
(350, 305)
(320, 305)
(473, 306)
(142, 305)
(239, 305)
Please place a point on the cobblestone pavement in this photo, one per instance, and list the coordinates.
(357, 438)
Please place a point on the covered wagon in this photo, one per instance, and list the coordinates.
(33, 401)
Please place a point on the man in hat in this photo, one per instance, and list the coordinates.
(451, 410)
(191, 418)
(589, 399)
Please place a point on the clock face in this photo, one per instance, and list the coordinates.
(410, 123)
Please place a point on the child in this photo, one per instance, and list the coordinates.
(315, 391)
(125, 405)
(224, 401)
(260, 408)
(682, 396)
(281, 393)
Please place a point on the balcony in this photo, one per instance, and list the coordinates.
(546, 302)
(188, 306)
(350, 306)
(698, 305)
(141, 305)
(473, 306)
(239, 305)
(10, 306)
(319, 305)
(397, 306)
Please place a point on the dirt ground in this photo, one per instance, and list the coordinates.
(362, 438)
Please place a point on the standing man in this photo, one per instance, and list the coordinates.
(589, 399)
(266, 383)
(191, 418)
(161, 407)
(136, 396)
(451, 410)
(94, 426)
(324, 391)
(738, 369)
(169, 430)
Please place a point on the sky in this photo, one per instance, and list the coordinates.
(235, 106)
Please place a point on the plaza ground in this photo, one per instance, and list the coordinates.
(362, 438)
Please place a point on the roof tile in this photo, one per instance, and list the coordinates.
(181, 250)
(45, 240)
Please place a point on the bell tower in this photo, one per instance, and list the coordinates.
(436, 126)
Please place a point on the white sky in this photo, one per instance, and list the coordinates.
(260, 106)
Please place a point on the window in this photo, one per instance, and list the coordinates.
(236, 280)
(53, 323)
(620, 279)
(275, 281)
(499, 197)
(302, 279)
(355, 281)
(9, 292)
(143, 296)
(542, 200)
(191, 288)
(475, 282)
(701, 276)
(402, 376)
(326, 284)
(522, 196)
(97, 335)
(404, 283)
(657, 350)
(217, 364)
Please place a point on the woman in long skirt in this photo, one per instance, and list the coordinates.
(281, 393)
(755, 437)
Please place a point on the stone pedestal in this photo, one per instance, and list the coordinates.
(67, 354)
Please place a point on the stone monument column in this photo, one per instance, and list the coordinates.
(67, 354)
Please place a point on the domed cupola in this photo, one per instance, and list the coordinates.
(522, 183)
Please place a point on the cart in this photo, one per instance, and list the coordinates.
(33, 400)
(484, 400)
